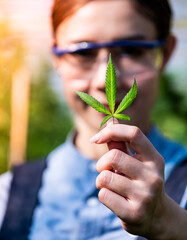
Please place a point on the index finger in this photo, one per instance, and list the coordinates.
(137, 141)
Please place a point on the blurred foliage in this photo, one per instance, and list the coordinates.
(11, 57)
(49, 117)
(170, 111)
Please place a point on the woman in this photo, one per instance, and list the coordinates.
(131, 199)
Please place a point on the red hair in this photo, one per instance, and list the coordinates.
(158, 12)
(63, 9)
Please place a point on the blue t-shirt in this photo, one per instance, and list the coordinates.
(69, 208)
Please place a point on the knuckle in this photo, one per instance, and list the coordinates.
(103, 195)
(136, 133)
(105, 178)
(115, 157)
(156, 182)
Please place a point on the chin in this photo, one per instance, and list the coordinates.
(94, 121)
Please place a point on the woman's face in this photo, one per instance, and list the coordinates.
(100, 21)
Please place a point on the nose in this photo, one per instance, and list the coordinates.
(99, 72)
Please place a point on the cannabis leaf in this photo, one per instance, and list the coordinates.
(111, 89)
(110, 84)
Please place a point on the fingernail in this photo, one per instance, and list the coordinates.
(95, 138)
(112, 121)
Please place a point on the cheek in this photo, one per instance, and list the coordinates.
(71, 84)
(72, 99)
(70, 95)
(148, 91)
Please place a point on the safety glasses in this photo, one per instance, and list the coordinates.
(129, 57)
(78, 47)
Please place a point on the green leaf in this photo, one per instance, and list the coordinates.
(111, 89)
(122, 116)
(110, 83)
(93, 102)
(128, 99)
(105, 120)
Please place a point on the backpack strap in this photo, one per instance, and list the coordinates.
(22, 200)
(176, 184)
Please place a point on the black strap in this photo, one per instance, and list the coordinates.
(22, 200)
(177, 181)
(176, 184)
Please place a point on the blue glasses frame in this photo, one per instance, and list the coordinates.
(88, 46)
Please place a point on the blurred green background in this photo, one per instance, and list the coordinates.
(49, 118)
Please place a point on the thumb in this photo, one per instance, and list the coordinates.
(122, 145)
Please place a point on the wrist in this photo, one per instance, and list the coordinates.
(172, 224)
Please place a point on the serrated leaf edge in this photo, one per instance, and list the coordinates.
(100, 107)
(128, 99)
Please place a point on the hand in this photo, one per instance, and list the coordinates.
(132, 186)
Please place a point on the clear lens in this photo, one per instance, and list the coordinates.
(128, 60)
(140, 60)
(82, 60)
